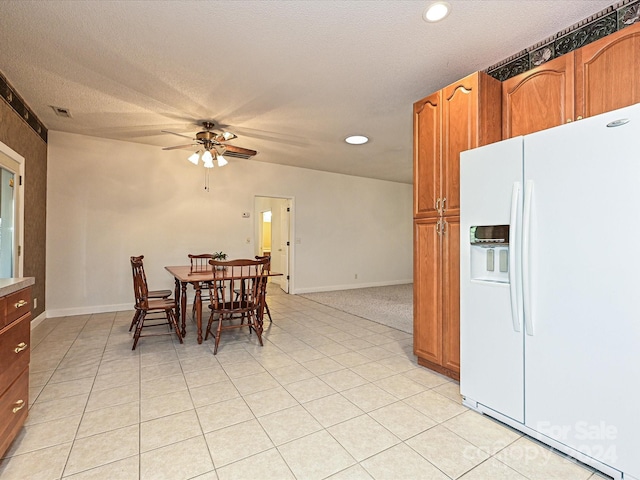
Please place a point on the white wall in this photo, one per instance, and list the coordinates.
(108, 200)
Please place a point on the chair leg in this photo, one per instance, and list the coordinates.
(208, 331)
(172, 321)
(135, 320)
(266, 307)
(215, 349)
(256, 326)
(136, 335)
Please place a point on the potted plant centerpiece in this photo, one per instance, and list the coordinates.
(220, 256)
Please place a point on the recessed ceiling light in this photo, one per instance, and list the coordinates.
(436, 11)
(356, 139)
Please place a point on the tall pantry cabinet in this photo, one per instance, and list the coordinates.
(463, 115)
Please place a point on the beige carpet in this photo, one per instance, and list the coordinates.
(391, 306)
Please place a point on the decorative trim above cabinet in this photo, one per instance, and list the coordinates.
(606, 22)
(9, 95)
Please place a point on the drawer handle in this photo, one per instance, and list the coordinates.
(21, 346)
(21, 303)
(19, 405)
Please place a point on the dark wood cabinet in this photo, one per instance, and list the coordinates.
(15, 319)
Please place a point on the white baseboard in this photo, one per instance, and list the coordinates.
(65, 312)
(351, 286)
(38, 320)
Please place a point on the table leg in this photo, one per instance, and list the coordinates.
(198, 310)
(183, 305)
(176, 295)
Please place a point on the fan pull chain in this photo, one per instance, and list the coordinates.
(206, 179)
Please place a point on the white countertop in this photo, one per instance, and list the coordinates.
(10, 285)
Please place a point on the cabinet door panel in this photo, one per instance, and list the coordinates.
(460, 127)
(427, 326)
(426, 167)
(608, 73)
(538, 99)
(451, 294)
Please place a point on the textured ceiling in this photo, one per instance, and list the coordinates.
(291, 78)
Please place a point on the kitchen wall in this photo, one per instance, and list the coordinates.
(16, 133)
(108, 200)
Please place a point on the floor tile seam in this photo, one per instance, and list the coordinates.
(431, 463)
(64, 416)
(144, 452)
(242, 458)
(245, 458)
(63, 477)
(278, 447)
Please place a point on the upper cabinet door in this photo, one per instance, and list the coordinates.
(540, 98)
(608, 73)
(460, 125)
(426, 155)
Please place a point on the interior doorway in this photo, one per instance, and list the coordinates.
(11, 212)
(274, 224)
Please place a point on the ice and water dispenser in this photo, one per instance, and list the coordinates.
(490, 253)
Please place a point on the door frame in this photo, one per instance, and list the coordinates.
(18, 262)
(291, 256)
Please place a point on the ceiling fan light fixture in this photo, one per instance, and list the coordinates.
(221, 160)
(207, 159)
(228, 136)
(436, 12)
(194, 158)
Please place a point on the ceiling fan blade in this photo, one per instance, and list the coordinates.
(178, 134)
(181, 146)
(233, 151)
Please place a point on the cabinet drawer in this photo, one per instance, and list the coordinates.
(18, 303)
(14, 350)
(14, 406)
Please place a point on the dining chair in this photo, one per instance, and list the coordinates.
(230, 309)
(238, 291)
(145, 305)
(199, 263)
(151, 294)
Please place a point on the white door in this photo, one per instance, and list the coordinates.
(285, 211)
(491, 342)
(582, 348)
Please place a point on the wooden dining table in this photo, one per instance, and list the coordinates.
(184, 275)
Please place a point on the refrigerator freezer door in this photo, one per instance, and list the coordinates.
(491, 342)
(582, 363)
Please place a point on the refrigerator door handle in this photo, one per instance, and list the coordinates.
(513, 278)
(526, 256)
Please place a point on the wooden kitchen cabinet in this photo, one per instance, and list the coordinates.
(461, 116)
(608, 73)
(597, 78)
(427, 282)
(15, 321)
(436, 326)
(427, 152)
(539, 98)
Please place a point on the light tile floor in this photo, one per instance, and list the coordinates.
(330, 395)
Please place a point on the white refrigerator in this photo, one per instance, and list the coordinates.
(550, 287)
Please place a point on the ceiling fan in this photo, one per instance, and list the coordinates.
(211, 138)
